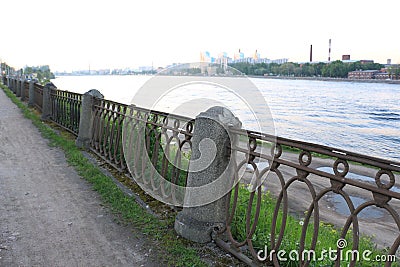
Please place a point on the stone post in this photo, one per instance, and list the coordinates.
(210, 176)
(86, 118)
(22, 89)
(18, 92)
(15, 85)
(31, 102)
(46, 108)
(12, 84)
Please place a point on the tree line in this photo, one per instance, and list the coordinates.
(41, 73)
(335, 69)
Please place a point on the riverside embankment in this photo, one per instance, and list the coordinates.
(49, 215)
(255, 218)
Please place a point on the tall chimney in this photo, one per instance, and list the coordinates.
(310, 53)
(329, 55)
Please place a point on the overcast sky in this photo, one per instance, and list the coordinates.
(125, 33)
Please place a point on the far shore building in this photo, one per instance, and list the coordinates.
(382, 76)
(368, 75)
(253, 60)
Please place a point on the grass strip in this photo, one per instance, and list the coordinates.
(172, 251)
(328, 235)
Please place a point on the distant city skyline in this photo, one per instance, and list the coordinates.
(71, 35)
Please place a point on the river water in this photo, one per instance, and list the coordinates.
(359, 117)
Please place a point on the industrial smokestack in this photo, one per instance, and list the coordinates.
(329, 54)
(310, 53)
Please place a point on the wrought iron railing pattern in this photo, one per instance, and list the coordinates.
(66, 109)
(162, 138)
(158, 149)
(38, 96)
(106, 139)
(289, 170)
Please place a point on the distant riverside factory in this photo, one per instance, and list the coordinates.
(238, 57)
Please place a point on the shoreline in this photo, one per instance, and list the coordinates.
(326, 79)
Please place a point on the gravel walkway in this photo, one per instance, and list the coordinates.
(50, 216)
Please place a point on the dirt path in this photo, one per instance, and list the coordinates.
(49, 216)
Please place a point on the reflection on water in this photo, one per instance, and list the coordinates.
(360, 117)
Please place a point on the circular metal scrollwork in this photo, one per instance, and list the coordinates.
(189, 127)
(165, 121)
(252, 144)
(378, 178)
(276, 151)
(176, 123)
(336, 169)
(301, 158)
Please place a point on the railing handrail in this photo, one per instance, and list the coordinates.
(322, 149)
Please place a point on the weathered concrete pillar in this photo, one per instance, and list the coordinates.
(22, 89)
(15, 85)
(18, 91)
(46, 108)
(210, 176)
(12, 84)
(31, 102)
(9, 82)
(86, 118)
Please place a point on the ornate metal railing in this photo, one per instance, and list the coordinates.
(38, 96)
(158, 147)
(66, 109)
(291, 181)
(289, 194)
(106, 139)
(162, 138)
(26, 88)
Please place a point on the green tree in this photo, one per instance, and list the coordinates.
(307, 70)
(42, 73)
(336, 69)
(394, 72)
(287, 69)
